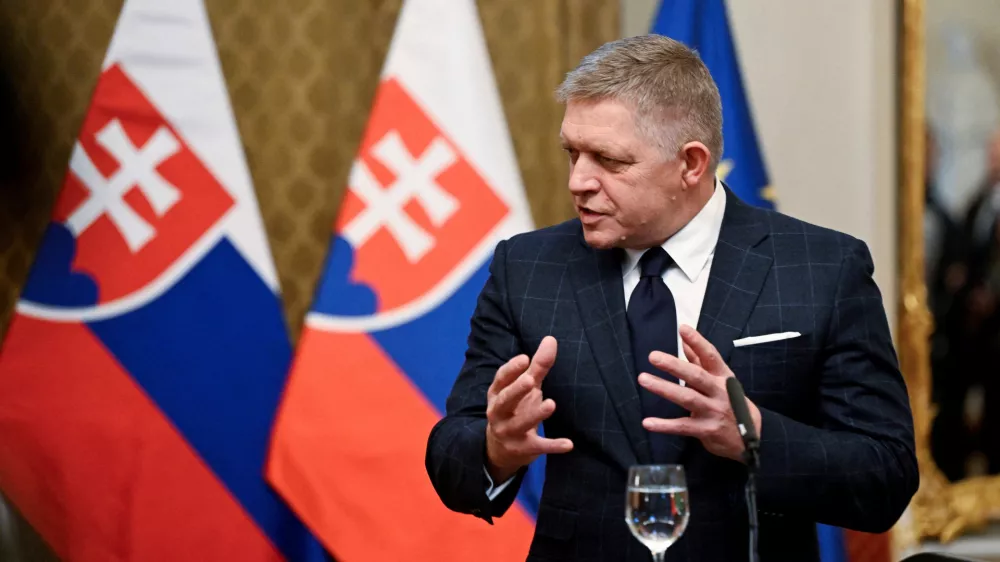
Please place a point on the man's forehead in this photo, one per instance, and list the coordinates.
(593, 120)
(603, 143)
(594, 138)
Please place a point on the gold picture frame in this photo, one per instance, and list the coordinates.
(941, 510)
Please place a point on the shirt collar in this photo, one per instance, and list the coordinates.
(692, 245)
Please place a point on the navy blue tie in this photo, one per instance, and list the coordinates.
(652, 319)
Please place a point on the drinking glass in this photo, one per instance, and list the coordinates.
(656, 506)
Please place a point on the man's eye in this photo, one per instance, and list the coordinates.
(610, 162)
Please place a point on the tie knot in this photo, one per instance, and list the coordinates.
(654, 262)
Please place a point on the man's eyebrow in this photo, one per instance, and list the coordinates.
(583, 145)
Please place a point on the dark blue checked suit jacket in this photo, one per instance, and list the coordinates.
(837, 436)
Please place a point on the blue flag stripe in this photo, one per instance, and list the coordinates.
(212, 352)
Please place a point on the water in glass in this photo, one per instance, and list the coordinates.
(656, 506)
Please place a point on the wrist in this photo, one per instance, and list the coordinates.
(500, 474)
(500, 471)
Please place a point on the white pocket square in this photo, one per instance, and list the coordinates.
(766, 338)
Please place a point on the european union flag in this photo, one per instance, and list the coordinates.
(703, 26)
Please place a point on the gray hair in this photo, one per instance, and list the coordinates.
(666, 83)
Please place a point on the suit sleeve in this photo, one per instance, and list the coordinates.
(456, 448)
(858, 468)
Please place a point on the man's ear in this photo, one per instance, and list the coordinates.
(695, 160)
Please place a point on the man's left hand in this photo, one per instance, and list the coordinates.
(704, 395)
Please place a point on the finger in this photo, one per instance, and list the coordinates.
(710, 359)
(684, 396)
(690, 355)
(687, 427)
(539, 445)
(508, 399)
(544, 358)
(530, 402)
(695, 377)
(531, 417)
(507, 373)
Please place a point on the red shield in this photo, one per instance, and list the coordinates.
(136, 197)
(415, 207)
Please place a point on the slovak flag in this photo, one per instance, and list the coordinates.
(142, 371)
(434, 187)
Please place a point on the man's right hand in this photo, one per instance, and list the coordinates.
(514, 409)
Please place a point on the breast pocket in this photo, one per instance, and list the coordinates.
(776, 369)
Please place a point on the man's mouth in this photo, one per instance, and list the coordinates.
(588, 215)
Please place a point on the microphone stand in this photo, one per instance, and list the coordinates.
(751, 457)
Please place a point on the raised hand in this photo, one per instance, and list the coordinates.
(704, 395)
(514, 409)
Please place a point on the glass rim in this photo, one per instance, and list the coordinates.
(646, 473)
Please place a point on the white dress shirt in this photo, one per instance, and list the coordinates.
(692, 249)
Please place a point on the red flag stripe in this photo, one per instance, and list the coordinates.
(97, 469)
(351, 461)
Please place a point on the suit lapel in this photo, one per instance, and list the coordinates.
(739, 269)
(597, 276)
(738, 272)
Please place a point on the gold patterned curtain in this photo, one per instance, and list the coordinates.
(301, 75)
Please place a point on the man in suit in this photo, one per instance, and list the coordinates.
(618, 329)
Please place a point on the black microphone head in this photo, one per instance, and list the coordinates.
(738, 401)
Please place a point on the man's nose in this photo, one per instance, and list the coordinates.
(583, 176)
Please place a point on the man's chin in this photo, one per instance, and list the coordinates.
(599, 240)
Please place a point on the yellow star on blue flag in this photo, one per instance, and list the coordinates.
(703, 25)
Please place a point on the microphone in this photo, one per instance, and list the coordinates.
(751, 444)
(738, 401)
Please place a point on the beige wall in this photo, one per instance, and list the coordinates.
(821, 79)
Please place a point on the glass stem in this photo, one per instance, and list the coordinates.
(659, 556)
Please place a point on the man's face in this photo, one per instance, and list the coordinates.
(625, 190)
